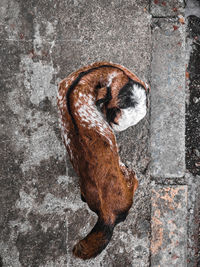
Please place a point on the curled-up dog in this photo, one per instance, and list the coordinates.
(94, 102)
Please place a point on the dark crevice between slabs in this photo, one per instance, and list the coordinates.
(193, 136)
(193, 108)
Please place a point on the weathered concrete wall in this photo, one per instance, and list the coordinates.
(41, 214)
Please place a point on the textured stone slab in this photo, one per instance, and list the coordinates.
(160, 8)
(168, 99)
(169, 226)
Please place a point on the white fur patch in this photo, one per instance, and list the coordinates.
(131, 116)
(62, 123)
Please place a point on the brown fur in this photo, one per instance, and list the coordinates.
(107, 185)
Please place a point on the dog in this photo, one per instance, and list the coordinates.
(93, 103)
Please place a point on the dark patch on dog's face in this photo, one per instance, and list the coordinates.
(98, 86)
(111, 114)
(104, 101)
(126, 95)
(99, 103)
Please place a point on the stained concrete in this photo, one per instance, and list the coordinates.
(169, 226)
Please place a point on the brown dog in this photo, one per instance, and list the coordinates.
(92, 102)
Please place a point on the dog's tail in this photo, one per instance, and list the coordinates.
(95, 241)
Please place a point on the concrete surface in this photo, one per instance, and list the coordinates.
(168, 99)
(41, 214)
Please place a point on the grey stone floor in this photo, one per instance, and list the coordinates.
(41, 213)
